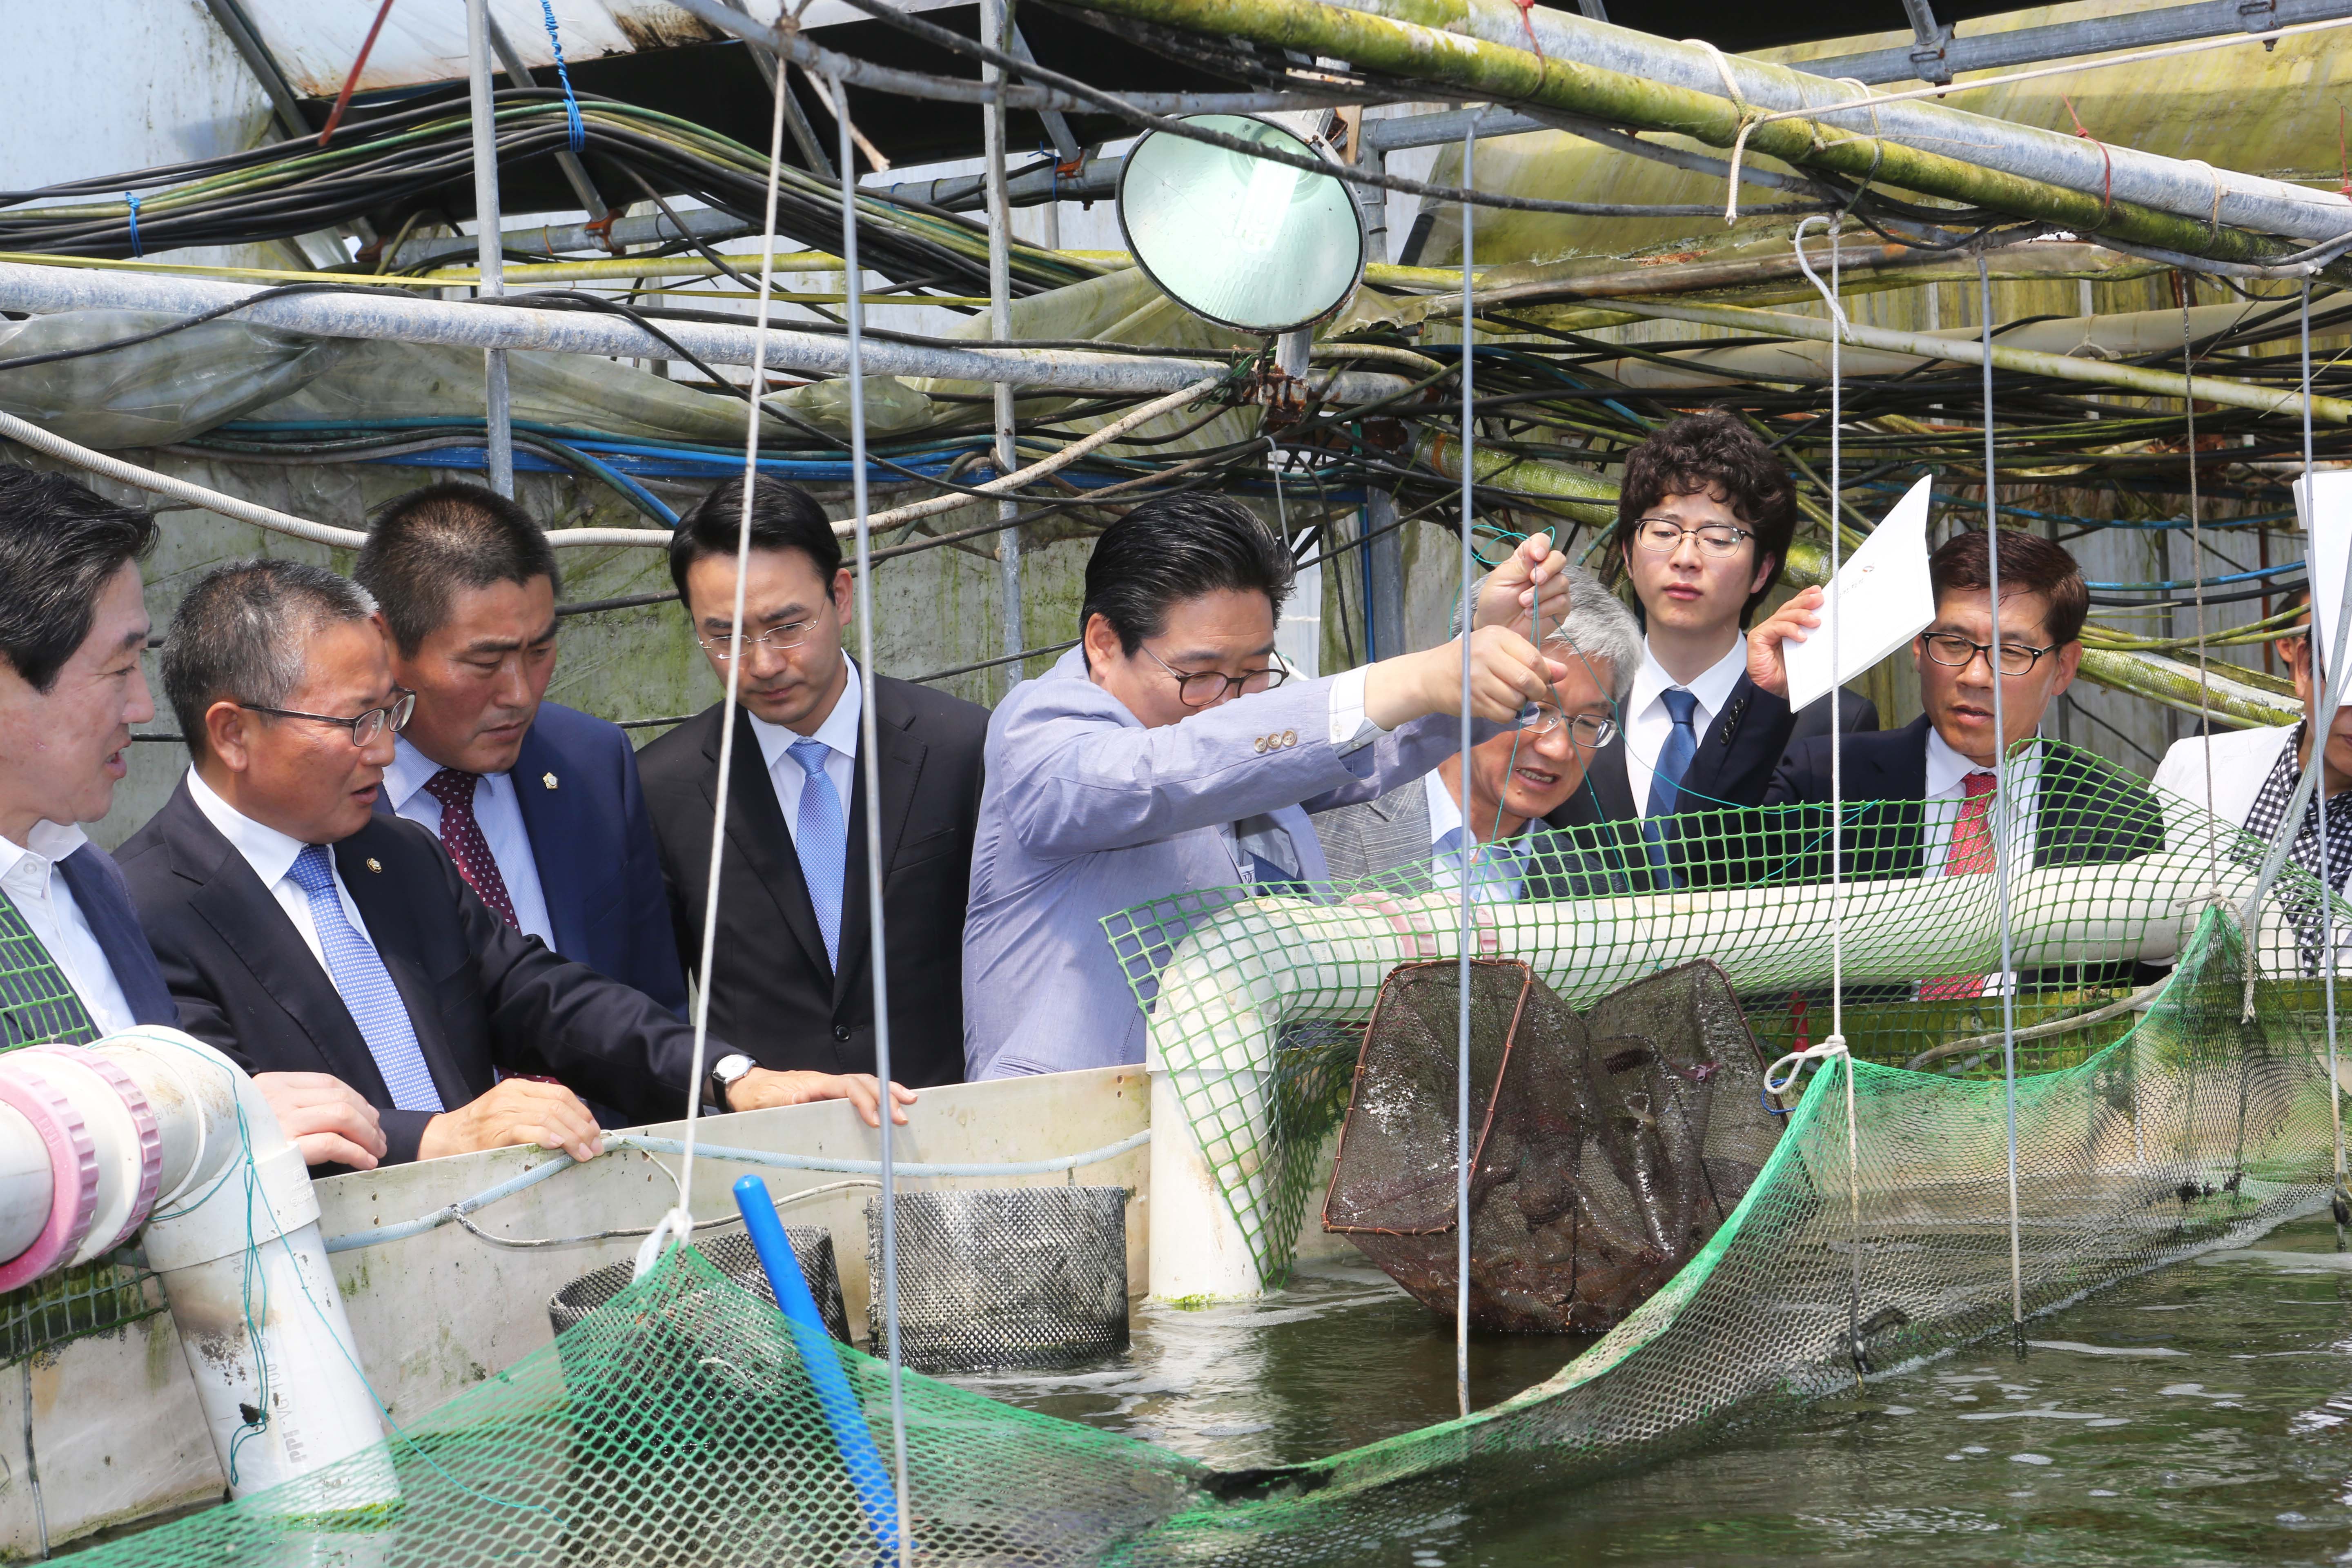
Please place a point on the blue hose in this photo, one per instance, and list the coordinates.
(843, 1412)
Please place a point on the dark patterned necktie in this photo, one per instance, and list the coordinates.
(461, 834)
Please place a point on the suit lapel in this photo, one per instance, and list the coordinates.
(1712, 763)
(250, 923)
(755, 828)
(549, 818)
(902, 768)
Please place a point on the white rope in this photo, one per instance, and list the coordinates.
(2005, 805)
(870, 748)
(1464, 1154)
(1747, 122)
(678, 1223)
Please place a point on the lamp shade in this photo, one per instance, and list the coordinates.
(1246, 242)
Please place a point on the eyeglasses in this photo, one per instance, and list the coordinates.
(1587, 732)
(783, 638)
(364, 727)
(1664, 536)
(1199, 688)
(1955, 652)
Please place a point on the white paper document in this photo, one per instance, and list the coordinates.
(1879, 601)
(2322, 501)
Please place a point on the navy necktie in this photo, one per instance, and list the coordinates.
(1674, 756)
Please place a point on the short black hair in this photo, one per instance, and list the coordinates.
(1705, 453)
(433, 542)
(243, 632)
(61, 544)
(2029, 564)
(783, 516)
(1178, 548)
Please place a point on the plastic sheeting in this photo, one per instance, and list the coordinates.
(154, 393)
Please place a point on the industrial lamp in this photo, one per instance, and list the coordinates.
(1244, 242)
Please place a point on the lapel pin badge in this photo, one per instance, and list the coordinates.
(374, 864)
(548, 780)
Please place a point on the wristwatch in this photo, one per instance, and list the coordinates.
(725, 1073)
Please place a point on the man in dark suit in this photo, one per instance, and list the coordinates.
(73, 625)
(1704, 522)
(1929, 799)
(790, 983)
(301, 930)
(538, 804)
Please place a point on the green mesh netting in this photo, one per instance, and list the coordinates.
(678, 1426)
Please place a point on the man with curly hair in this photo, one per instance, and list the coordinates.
(1704, 522)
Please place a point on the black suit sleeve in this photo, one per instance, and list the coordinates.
(607, 1041)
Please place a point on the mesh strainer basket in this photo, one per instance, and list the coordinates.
(1006, 1277)
(733, 1255)
(1608, 1148)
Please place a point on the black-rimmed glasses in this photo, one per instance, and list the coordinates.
(364, 727)
(1954, 651)
(1202, 687)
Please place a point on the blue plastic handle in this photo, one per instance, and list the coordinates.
(839, 1401)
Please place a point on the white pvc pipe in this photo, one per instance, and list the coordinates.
(23, 1183)
(1238, 977)
(235, 1240)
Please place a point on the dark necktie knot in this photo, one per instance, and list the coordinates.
(454, 789)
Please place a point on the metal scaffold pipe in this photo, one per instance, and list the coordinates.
(472, 324)
(496, 403)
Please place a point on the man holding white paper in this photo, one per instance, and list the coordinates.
(1704, 516)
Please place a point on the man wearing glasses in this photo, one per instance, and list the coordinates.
(1416, 838)
(334, 951)
(1935, 798)
(1704, 516)
(1167, 756)
(790, 981)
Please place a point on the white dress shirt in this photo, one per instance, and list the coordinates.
(271, 854)
(1496, 868)
(498, 815)
(1648, 724)
(29, 875)
(839, 734)
(1947, 772)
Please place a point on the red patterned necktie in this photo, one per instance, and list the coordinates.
(1971, 855)
(461, 834)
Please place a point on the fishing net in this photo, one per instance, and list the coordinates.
(678, 1423)
(1608, 1147)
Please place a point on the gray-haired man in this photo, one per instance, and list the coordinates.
(1415, 838)
(303, 932)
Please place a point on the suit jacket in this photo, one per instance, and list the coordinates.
(98, 889)
(2242, 761)
(2086, 810)
(481, 994)
(1732, 768)
(1388, 838)
(1088, 813)
(773, 992)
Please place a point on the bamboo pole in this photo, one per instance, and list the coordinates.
(1371, 40)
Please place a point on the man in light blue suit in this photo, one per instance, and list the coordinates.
(538, 804)
(1167, 754)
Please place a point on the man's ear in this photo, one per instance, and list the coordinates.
(844, 593)
(1766, 570)
(1100, 639)
(224, 736)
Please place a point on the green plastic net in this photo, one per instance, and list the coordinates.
(678, 1425)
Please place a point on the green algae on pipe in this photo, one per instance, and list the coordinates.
(1367, 37)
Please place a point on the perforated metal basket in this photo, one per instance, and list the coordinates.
(731, 1254)
(1011, 1276)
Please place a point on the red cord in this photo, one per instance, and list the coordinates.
(1526, 20)
(2107, 176)
(2342, 161)
(351, 82)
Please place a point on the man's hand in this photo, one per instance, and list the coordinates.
(760, 1087)
(1511, 590)
(518, 1110)
(1506, 673)
(325, 1117)
(1767, 663)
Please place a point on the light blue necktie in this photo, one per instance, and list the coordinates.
(366, 987)
(1667, 780)
(1496, 872)
(821, 842)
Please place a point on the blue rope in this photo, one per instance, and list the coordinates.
(136, 248)
(571, 104)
